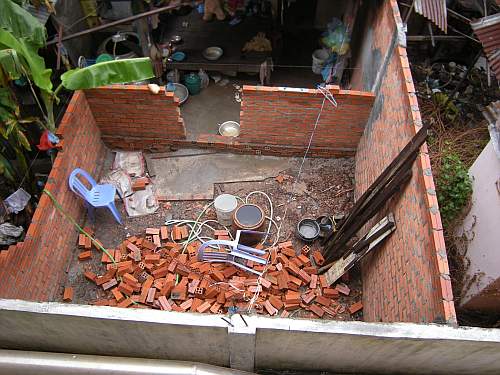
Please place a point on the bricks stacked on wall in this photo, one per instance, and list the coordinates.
(33, 270)
(133, 111)
(284, 116)
(407, 279)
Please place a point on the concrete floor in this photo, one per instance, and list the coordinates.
(214, 105)
(180, 176)
(202, 113)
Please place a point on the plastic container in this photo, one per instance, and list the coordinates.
(193, 83)
(249, 217)
(225, 205)
(319, 58)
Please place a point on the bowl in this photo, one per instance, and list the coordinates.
(325, 225)
(178, 56)
(213, 53)
(180, 91)
(229, 129)
(176, 39)
(308, 230)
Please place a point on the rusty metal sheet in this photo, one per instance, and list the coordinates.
(434, 10)
(487, 30)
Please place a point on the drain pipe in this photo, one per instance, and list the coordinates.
(17, 362)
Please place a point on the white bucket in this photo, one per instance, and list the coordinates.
(224, 205)
(319, 58)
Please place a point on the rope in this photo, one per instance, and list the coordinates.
(61, 210)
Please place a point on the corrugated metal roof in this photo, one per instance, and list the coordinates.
(487, 30)
(434, 10)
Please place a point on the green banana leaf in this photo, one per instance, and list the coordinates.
(6, 169)
(21, 24)
(109, 72)
(10, 66)
(29, 53)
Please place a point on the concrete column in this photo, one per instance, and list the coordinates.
(241, 343)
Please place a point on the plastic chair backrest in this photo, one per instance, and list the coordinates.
(77, 186)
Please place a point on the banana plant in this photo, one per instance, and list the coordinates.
(21, 36)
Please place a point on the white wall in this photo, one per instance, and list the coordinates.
(282, 344)
(481, 228)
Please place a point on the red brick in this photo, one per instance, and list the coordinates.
(317, 310)
(125, 289)
(203, 307)
(355, 307)
(68, 294)
(85, 255)
(318, 258)
(117, 294)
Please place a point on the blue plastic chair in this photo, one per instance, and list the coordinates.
(96, 196)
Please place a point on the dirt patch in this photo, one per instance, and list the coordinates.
(325, 187)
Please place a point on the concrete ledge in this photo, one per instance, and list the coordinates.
(265, 343)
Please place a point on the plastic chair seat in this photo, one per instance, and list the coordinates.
(95, 196)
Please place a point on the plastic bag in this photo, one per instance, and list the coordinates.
(9, 234)
(336, 37)
(131, 162)
(120, 180)
(142, 202)
(17, 201)
(205, 80)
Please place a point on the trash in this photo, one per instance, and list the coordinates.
(216, 78)
(120, 180)
(223, 82)
(17, 201)
(9, 234)
(48, 141)
(131, 162)
(142, 202)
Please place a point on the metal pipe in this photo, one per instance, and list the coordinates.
(17, 362)
(119, 22)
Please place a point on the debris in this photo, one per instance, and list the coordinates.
(165, 277)
(142, 202)
(9, 233)
(120, 180)
(131, 162)
(17, 200)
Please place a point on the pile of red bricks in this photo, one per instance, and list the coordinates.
(154, 272)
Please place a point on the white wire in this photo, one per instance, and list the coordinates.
(302, 163)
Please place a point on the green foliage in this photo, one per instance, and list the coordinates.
(454, 187)
(109, 72)
(446, 106)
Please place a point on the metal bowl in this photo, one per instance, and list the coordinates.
(308, 230)
(213, 53)
(180, 91)
(176, 39)
(229, 129)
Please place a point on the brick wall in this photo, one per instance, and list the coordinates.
(34, 269)
(132, 118)
(129, 111)
(407, 279)
(284, 116)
